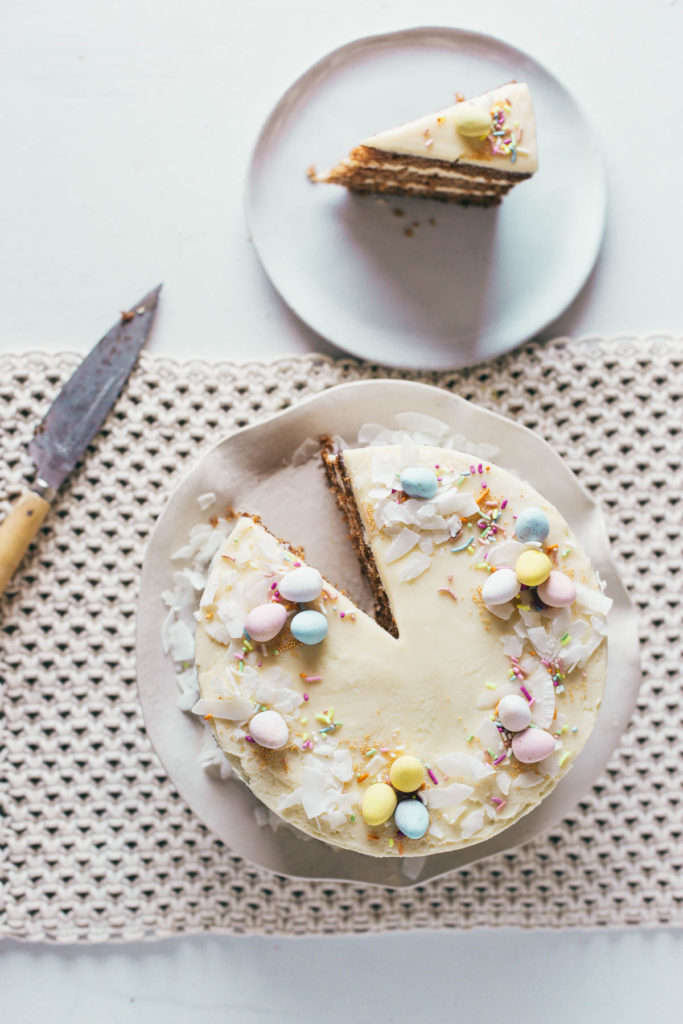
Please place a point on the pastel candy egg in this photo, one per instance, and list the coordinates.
(514, 712)
(309, 627)
(471, 121)
(532, 745)
(378, 803)
(301, 585)
(501, 586)
(533, 567)
(265, 621)
(269, 729)
(419, 482)
(407, 774)
(532, 525)
(558, 591)
(412, 818)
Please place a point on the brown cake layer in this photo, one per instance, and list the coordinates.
(341, 487)
(422, 177)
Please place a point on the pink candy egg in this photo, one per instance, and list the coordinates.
(269, 729)
(558, 591)
(532, 745)
(265, 621)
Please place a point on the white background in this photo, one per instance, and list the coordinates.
(126, 128)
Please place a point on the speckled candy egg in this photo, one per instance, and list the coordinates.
(301, 585)
(419, 482)
(501, 586)
(532, 525)
(514, 712)
(532, 745)
(309, 627)
(412, 818)
(407, 774)
(558, 591)
(265, 621)
(533, 567)
(378, 803)
(269, 729)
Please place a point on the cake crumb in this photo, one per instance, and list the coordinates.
(408, 232)
(398, 212)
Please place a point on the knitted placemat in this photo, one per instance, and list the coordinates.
(95, 842)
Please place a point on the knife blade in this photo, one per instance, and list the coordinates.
(73, 420)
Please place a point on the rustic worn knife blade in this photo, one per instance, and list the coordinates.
(71, 423)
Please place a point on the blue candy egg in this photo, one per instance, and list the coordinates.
(309, 627)
(419, 482)
(412, 818)
(532, 525)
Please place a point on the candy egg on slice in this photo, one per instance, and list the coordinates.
(501, 586)
(265, 621)
(558, 591)
(533, 567)
(471, 121)
(378, 803)
(532, 745)
(532, 525)
(514, 712)
(269, 729)
(309, 627)
(419, 482)
(301, 585)
(407, 774)
(412, 818)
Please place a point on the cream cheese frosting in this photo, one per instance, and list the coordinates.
(509, 144)
(359, 699)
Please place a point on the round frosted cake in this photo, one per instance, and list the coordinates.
(453, 711)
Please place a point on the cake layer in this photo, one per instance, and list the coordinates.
(358, 699)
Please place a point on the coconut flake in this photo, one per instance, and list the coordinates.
(472, 824)
(463, 766)
(411, 867)
(414, 567)
(447, 796)
(206, 500)
(375, 765)
(592, 600)
(313, 791)
(541, 688)
(405, 542)
(307, 450)
(179, 641)
(235, 709)
(490, 737)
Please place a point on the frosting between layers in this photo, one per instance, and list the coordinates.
(360, 698)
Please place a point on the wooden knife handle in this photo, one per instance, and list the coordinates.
(18, 530)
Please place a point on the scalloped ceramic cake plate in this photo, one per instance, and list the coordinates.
(413, 282)
(249, 470)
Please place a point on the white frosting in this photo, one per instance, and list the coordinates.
(362, 697)
(436, 137)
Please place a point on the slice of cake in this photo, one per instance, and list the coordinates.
(457, 712)
(471, 152)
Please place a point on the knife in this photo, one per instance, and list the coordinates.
(71, 423)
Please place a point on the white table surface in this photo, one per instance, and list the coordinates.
(126, 129)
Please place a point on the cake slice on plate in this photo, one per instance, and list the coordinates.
(474, 151)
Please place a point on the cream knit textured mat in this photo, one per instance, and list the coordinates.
(94, 842)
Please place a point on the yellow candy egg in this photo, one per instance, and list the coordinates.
(471, 121)
(378, 804)
(407, 774)
(533, 567)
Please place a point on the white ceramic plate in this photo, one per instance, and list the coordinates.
(249, 471)
(475, 283)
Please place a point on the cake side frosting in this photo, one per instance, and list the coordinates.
(359, 699)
